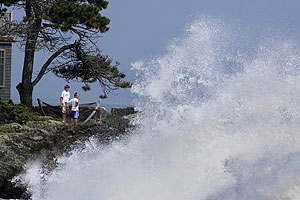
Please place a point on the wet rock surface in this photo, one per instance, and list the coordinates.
(122, 111)
(22, 143)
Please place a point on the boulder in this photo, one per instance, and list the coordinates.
(46, 140)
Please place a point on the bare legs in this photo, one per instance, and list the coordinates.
(74, 120)
(64, 116)
(64, 108)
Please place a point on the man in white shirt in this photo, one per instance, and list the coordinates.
(64, 100)
(75, 108)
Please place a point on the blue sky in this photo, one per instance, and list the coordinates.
(140, 29)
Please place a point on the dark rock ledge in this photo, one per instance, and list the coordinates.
(50, 138)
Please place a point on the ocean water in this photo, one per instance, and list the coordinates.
(220, 120)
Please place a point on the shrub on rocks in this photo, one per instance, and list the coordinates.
(10, 112)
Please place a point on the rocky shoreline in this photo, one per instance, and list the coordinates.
(48, 138)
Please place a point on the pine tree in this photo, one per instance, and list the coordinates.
(69, 30)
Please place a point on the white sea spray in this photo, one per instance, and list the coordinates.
(219, 123)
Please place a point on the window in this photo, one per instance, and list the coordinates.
(6, 19)
(2, 67)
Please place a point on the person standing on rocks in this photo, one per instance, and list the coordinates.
(64, 100)
(75, 108)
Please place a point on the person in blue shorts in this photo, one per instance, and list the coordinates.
(75, 108)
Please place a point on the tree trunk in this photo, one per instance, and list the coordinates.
(25, 92)
(25, 88)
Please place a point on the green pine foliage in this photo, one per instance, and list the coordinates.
(65, 14)
(89, 67)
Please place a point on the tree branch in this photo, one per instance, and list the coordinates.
(49, 61)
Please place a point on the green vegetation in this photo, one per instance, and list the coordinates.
(10, 112)
(6, 130)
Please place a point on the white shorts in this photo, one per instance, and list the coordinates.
(64, 109)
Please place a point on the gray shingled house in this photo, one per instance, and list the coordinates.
(5, 60)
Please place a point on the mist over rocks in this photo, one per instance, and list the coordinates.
(209, 130)
(45, 140)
